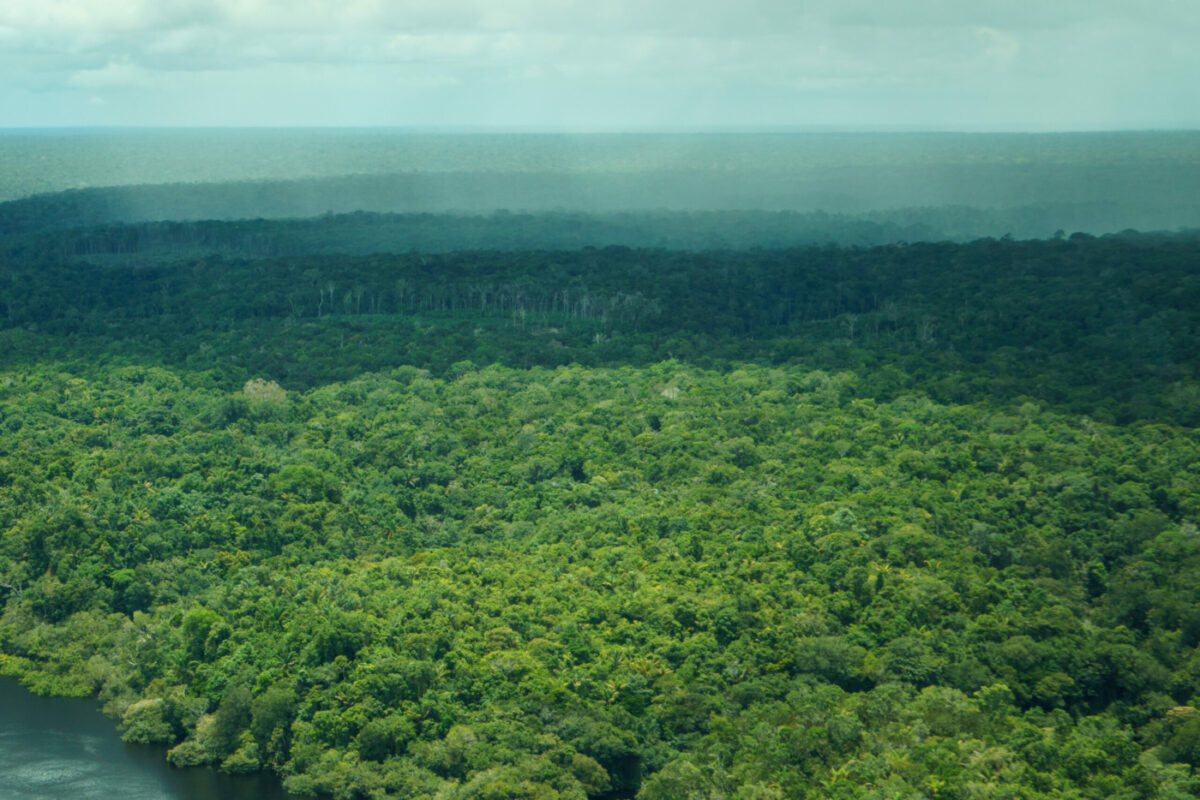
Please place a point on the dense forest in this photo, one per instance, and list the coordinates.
(468, 508)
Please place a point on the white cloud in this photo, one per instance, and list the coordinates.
(998, 45)
(848, 50)
(106, 15)
(116, 74)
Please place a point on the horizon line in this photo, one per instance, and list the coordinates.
(632, 130)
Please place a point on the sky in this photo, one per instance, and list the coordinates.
(1016, 65)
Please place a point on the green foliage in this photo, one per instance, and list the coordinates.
(144, 722)
(869, 566)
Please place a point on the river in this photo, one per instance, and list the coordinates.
(53, 748)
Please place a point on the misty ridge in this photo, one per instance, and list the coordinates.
(786, 189)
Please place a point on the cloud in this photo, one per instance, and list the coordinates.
(116, 74)
(721, 18)
(108, 16)
(998, 45)
(864, 56)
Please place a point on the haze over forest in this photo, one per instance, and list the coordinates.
(877, 187)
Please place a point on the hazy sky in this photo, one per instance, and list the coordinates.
(974, 64)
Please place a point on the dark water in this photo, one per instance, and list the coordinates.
(55, 748)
